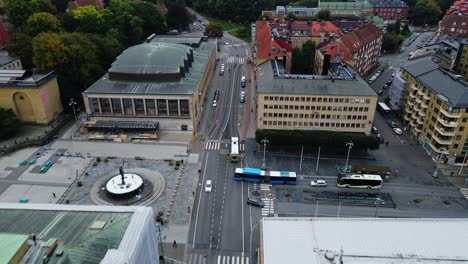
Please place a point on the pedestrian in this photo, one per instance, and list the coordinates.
(53, 195)
(34, 239)
(386, 143)
(174, 244)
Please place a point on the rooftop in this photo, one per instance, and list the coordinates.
(360, 37)
(336, 50)
(448, 86)
(24, 79)
(345, 5)
(156, 68)
(85, 234)
(270, 83)
(361, 240)
(388, 3)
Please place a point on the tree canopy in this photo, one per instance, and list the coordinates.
(9, 123)
(324, 14)
(42, 22)
(303, 59)
(214, 30)
(237, 11)
(18, 11)
(425, 12)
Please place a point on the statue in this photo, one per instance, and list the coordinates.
(122, 174)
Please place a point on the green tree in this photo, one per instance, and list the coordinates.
(42, 22)
(178, 17)
(9, 123)
(130, 29)
(214, 30)
(306, 3)
(323, 14)
(153, 20)
(20, 45)
(426, 12)
(405, 30)
(49, 51)
(18, 11)
(87, 19)
(296, 61)
(308, 56)
(391, 41)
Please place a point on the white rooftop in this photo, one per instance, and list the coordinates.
(364, 240)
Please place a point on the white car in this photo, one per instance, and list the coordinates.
(242, 93)
(318, 183)
(398, 131)
(208, 186)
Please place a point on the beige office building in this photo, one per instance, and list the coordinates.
(313, 103)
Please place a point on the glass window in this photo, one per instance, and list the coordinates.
(105, 105)
(94, 105)
(139, 107)
(128, 106)
(162, 107)
(184, 108)
(173, 108)
(150, 107)
(116, 106)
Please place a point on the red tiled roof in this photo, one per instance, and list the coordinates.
(299, 25)
(336, 50)
(357, 38)
(458, 6)
(326, 27)
(72, 5)
(449, 20)
(265, 43)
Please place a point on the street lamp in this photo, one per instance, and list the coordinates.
(350, 145)
(264, 141)
(72, 103)
(251, 233)
(437, 167)
(377, 201)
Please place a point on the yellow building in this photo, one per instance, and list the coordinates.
(435, 109)
(34, 98)
(460, 64)
(163, 82)
(311, 102)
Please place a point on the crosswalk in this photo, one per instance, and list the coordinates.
(202, 259)
(236, 60)
(216, 145)
(464, 192)
(269, 208)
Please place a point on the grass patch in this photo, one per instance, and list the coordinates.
(243, 33)
(224, 24)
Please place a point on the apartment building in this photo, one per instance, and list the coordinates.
(359, 8)
(390, 9)
(317, 31)
(435, 109)
(313, 102)
(329, 51)
(365, 44)
(460, 64)
(271, 43)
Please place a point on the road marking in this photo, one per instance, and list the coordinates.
(230, 105)
(265, 187)
(236, 60)
(199, 200)
(269, 207)
(242, 215)
(464, 192)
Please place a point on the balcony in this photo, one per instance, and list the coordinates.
(413, 87)
(440, 150)
(426, 97)
(420, 92)
(414, 115)
(424, 104)
(407, 117)
(445, 132)
(417, 108)
(412, 95)
(441, 140)
(408, 110)
(410, 102)
(422, 113)
(412, 123)
(418, 101)
(420, 121)
(447, 123)
(449, 114)
(418, 129)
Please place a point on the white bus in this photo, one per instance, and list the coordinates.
(234, 155)
(382, 107)
(369, 181)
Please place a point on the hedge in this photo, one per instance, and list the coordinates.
(329, 139)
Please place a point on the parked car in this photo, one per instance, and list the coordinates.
(68, 154)
(318, 183)
(380, 138)
(380, 92)
(59, 153)
(23, 162)
(242, 93)
(208, 186)
(242, 99)
(46, 147)
(255, 201)
(385, 87)
(374, 130)
(397, 131)
(389, 82)
(392, 124)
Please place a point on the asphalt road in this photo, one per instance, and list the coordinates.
(222, 221)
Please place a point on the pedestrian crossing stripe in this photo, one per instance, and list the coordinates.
(265, 187)
(236, 60)
(215, 145)
(269, 207)
(220, 259)
(464, 192)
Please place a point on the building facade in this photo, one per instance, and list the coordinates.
(360, 8)
(10, 63)
(313, 103)
(317, 31)
(161, 81)
(390, 9)
(34, 98)
(271, 43)
(436, 109)
(455, 24)
(365, 44)
(328, 52)
(460, 65)
(397, 93)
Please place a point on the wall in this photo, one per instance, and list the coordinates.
(33, 105)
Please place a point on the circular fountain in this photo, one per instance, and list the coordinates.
(126, 184)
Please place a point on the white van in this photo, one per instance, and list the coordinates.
(243, 81)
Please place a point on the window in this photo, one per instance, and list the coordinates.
(162, 107)
(94, 105)
(128, 106)
(150, 107)
(265, 98)
(139, 107)
(184, 107)
(462, 128)
(116, 106)
(105, 105)
(458, 138)
(455, 146)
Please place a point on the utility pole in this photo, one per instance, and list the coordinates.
(350, 145)
(318, 159)
(72, 103)
(300, 163)
(463, 164)
(264, 142)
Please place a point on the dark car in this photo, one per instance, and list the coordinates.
(380, 138)
(392, 124)
(255, 201)
(389, 81)
(374, 130)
